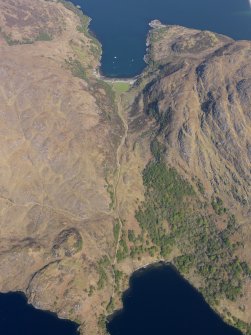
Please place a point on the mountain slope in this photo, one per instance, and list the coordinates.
(59, 135)
(96, 183)
(195, 100)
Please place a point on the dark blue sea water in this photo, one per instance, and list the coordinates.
(158, 302)
(122, 25)
(161, 302)
(19, 318)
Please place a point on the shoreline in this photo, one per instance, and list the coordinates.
(164, 263)
(153, 24)
(98, 75)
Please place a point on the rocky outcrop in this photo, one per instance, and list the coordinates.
(193, 109)
(198, 94)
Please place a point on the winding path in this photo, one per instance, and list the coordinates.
(117, 179)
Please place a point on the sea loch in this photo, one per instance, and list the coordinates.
(121, 26)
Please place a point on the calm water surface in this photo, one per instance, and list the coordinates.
(161, 302)
(122, 25)
(19, 318)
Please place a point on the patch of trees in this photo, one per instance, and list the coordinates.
(103, 265)
(210, 253)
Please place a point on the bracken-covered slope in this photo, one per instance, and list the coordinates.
(95, 183)
(59, 133)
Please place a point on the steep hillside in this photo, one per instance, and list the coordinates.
(193, 109)
(59, 136)
(200, 99)
(95, 183)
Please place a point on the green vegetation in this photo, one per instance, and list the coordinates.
(95, 49)
(157, 34)
(107, 103)
(164, 201)
(157, 150)
(43, 36)
(110, 191)
(123, 250)
(139, 244)
(137, 251)
(116, 229)
(121, 87)
(81, 55)
(91, 291)
(131, 236)
(184, 263)
(118, 277)
(162, 119)
(243, 326)
(83, 28)
(84, 23)
(209, 252)
(199, 185)
(76, 68)
(102, 322)
(108, 90)
(78, 246)
(217, 205)
(103, 265)
(201, 188)
(10, 41)
(69, 5)
(110, 307)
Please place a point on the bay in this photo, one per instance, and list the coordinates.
(161, 302)
(121, 26)
(17, 317)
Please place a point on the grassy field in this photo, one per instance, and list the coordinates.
(121, 87)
